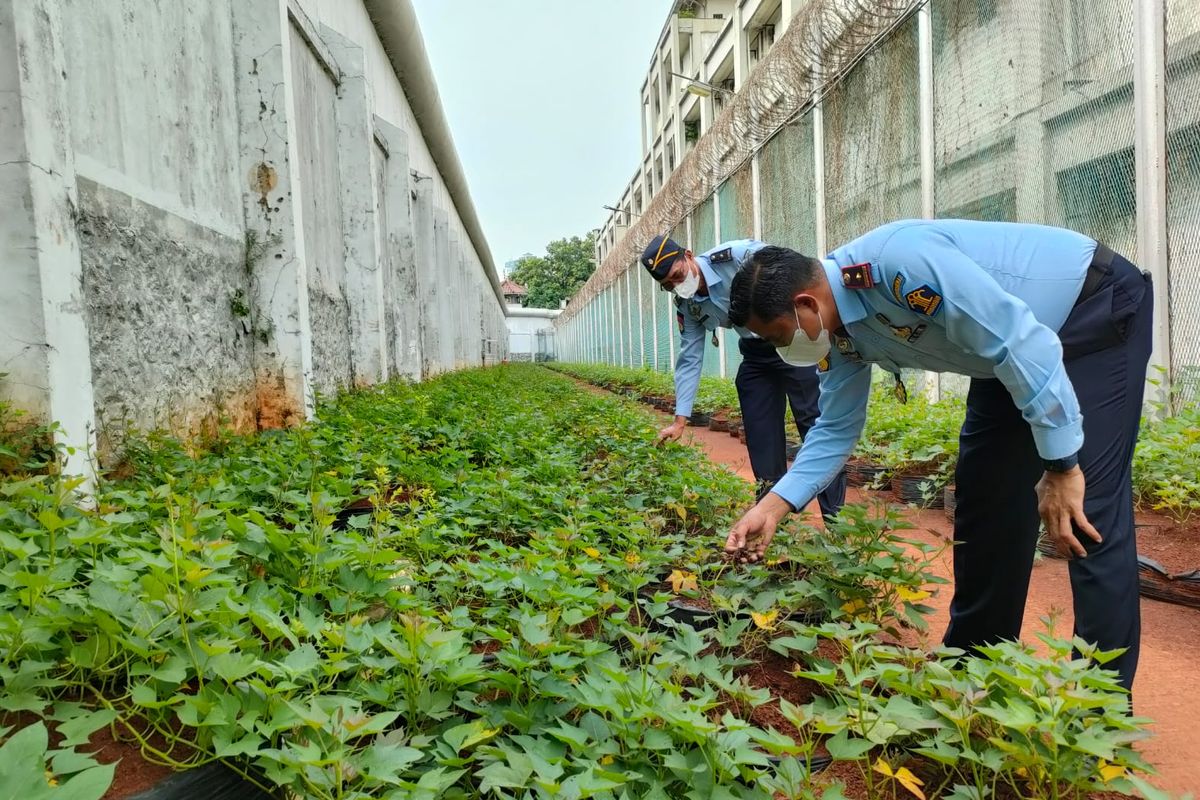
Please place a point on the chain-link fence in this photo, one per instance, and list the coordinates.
(1033, 119)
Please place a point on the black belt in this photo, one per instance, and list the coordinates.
(1098, 270)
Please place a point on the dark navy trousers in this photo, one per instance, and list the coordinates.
(766, 385)
(1106, 347)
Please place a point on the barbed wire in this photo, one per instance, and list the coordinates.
(820, 46)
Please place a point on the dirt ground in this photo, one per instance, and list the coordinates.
(1165, 687)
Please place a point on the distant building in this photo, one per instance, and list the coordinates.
(514, 293)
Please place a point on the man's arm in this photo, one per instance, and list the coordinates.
(688, 365)
(845, 390)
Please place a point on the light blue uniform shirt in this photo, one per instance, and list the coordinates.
(982, 299)
(699, 316)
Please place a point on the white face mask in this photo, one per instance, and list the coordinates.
(686, 288)
(803, 351)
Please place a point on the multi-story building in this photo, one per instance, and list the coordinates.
(704, 54)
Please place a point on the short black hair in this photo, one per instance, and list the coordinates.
(764, 287)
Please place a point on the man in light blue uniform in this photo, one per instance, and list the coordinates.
(764, 383)
(1054, 331)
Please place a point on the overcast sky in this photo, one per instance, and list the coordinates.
(542, 97)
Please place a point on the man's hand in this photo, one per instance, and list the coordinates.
(673, 431)
(748, 539)
(1060, 502)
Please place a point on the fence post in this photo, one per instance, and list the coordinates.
(1150, 154)
(933, 380)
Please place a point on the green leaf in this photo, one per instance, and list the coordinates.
(90, 784)
(514, 773)
(843, 748)
(385, 762)
(232, 667)
(77, 731)
(463, 736)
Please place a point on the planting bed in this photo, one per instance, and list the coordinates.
(472, 588)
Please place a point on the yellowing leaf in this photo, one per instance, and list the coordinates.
(910, 595)
(911, 782)
(682, 581)
(591, 551)
(196, 574)
(902, 776)
(854, 606)
(765, 621)
(1110, 772)
(682, 512)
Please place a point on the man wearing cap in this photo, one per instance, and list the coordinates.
(1054, 330)
(765, 384)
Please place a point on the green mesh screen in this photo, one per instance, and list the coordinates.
(1183, 192)
(785, 177)
(666, 328)
(629, 320)
(733, 355)
(736, 201)
(646, 284)
(704, 227)
(872, 170)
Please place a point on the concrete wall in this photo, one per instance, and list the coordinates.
(155, 145)
(211, 212)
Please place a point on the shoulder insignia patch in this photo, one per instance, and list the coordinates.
(858, 276)
(898, 288)
(923, 300)
(823, 364)
(679, 318)
(721, 256)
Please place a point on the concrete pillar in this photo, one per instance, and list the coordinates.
(424, 272)
(398, 251)
(741, 59)
(787, 11)
(451, 301)
(1035, 181)
(275, 255)
(439, 289)
(1150, 138)
(44, 346)
(364, 271)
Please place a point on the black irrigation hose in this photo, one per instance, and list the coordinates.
(213, 781)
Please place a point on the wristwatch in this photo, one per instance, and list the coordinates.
(1061, 464)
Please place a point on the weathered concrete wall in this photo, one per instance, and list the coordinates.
(211, 211)
(457, 342)
(150, 88)
(167, 310)
(160, 224)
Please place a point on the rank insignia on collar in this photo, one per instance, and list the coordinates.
(721, 256)
(924, 300)
(823, 364)
(679, 318)
(858, 276)
(916, 333)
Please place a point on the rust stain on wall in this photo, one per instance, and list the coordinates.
(275, 406)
